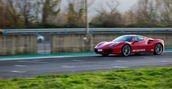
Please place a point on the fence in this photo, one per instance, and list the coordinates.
(82, 30)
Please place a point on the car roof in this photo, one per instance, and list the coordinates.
(134, 35)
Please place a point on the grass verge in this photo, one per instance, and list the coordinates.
(151, 78)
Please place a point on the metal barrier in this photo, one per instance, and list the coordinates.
(83, 30)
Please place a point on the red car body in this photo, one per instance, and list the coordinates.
(144, 45)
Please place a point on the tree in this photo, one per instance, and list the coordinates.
(75, 13)
(129, 18)
(72, 15)
(153, 13)
(50, 8)
(165, 10)
(24, 7)
(9, 14)
(108, 19)
(146, 14)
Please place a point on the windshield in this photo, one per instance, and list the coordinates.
(123, 39)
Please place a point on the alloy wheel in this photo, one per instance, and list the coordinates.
(126, 50)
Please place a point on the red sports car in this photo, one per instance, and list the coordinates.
(128, 44)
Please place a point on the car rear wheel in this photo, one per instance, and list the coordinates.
(158, 49)
(126, 50)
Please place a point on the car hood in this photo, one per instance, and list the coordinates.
(104, 45)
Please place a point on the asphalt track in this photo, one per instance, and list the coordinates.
(29, 68)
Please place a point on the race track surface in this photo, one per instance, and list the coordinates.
(72, 65)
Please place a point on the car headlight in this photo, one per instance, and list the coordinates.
(113, 45)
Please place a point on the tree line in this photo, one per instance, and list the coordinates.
(50, 14)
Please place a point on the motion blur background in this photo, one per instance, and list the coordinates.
(58, 26)
(70, 13)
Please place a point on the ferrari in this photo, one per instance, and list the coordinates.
(128, 44)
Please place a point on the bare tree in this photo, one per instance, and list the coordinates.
(9, 14)
(129, 18)
(108, 19)
(146, 12)
(24, 7)
(165, 9)
(113, 5)
(154, 12)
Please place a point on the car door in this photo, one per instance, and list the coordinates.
(139, 44)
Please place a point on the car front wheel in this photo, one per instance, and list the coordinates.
(126, 50)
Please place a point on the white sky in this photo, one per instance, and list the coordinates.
(124, 5)
(99, 4)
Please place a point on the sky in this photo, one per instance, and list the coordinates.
(124, 5)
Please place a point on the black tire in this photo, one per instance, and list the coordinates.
(158, 49)
(105, 55)
(126, 50)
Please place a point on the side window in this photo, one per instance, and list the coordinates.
(138, 38)
(135, 38)
(141, 38)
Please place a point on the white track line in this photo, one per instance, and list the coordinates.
(16, 71)
(20, 65)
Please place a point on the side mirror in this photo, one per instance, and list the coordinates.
(135, 41)
(149, 41)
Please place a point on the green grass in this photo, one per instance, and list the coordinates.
(151, 78)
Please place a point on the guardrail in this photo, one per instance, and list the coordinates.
(83, 30)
